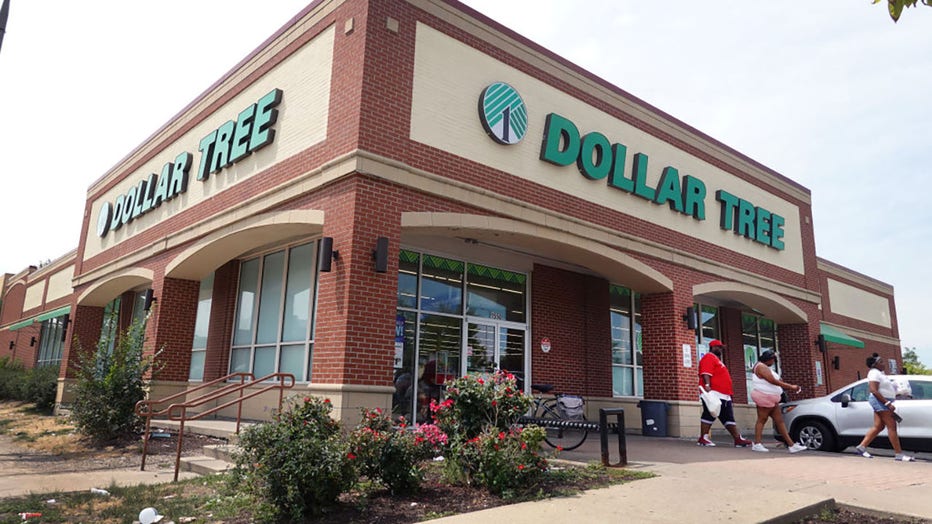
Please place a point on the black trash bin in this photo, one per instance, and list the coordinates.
(653, 417)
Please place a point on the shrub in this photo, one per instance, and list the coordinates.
(505, 463)
(486, 448)
(109, 383)
(298, 464)
(12, 377)
(474, 403)
(41, 386)
(392, 456)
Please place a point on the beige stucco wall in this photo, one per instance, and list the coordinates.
(304, 78)
(449, 77)
(34, 295)
(60, 284)
(858, 304)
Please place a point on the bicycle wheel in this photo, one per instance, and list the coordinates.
(565, 438)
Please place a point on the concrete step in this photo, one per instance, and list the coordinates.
(204, 465)
(224, 429)
(222, 452)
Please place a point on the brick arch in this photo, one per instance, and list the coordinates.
(611, 264)
(772, 305)
(215, 249)
(106, 289)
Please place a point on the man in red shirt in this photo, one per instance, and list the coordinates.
(713, 375)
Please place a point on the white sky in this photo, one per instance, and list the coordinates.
(831, 94)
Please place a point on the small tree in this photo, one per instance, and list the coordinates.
(110, 382)
(911, 363)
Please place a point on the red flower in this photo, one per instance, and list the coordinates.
(494, 403)
(520, 467)
(351, 456)
(559, 448)
(307, 399)
(326, 401)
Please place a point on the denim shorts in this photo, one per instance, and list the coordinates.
(872, 400)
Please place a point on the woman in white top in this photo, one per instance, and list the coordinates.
(767, 388)
(883, 392)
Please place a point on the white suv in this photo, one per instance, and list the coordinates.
(840, 419)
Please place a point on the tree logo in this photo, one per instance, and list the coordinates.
(503, 113)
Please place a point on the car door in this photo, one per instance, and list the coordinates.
(916, 411)
(857, 417)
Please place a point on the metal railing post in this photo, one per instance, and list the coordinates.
(603, 436)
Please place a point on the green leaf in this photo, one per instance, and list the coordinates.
(896, 8)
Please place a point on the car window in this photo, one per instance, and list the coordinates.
(921, 389)
(860, 392)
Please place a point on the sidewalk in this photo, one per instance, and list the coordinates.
(745, 486)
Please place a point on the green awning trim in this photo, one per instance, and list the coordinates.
(54, 313)
(21, 324)
(838, 336)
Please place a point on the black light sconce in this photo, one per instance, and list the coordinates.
(12, 344)
(32, 342)
(836, 362)
(327, 254)
(821, 343)
(64, 327)
(149, 299)
(380, 255)
(690, 318)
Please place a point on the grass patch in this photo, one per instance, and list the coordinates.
(202, 498)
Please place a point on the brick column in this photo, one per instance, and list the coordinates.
(86, 322)
(171, 327)
(222, 312)
(798, 355)
(663, 334)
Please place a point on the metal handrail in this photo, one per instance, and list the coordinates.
(144, 408)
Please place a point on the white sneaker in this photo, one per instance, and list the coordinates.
(759, 447)
(796, 448)
(863, 452)
(902, 457)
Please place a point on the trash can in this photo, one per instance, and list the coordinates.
(653, 417)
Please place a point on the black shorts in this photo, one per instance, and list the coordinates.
(726, 415)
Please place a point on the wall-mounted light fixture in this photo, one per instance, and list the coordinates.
(690, 318)
(836, 362)
(66, 319)
(821, 343)
(327, 254)
(32, 342)
(149, 299)
(12, 344)
(380, 255)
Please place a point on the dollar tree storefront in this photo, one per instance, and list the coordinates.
(387, 195)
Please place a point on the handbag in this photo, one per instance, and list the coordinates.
(711, 400)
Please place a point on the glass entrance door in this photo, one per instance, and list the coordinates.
(491, 346)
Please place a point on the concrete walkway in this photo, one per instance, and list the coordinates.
(693, 484)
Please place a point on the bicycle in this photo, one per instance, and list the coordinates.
(564, 410)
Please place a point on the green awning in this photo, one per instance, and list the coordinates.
(838, 336)
(54, 313)
(21, 324)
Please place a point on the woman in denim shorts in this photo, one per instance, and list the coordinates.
(882, 394)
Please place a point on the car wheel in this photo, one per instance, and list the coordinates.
(814, 435)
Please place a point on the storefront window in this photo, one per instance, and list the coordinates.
(50, 342)
(273, 329)
(433, 320)
(759, 334)
(201, 323)
(627, 366)
(495, 293)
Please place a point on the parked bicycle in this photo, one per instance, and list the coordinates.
(564, 411)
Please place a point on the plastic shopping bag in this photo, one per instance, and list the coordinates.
(711, 400)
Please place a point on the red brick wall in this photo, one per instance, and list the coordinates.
(222, 316)
(85, 327)
(171, 324)
(572, 310)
